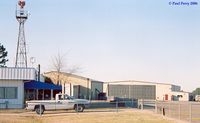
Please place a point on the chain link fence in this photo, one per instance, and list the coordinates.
(94, 106)
(186, 111)
(146, 104)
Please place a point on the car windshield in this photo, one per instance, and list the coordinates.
(71, 98)
(66, 97)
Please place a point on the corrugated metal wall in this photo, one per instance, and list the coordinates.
(80, 92)
(17, 73)
(132, 91)
(96, 87)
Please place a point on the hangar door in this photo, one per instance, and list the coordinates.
(133, 91)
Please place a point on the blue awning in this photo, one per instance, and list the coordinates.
(41, 85)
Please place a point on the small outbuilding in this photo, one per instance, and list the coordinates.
(12, 86)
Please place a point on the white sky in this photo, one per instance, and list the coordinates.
(111, 40)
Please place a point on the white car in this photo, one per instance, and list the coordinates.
(197, 98)
(62, 101)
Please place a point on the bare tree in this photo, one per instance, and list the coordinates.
(60, 65)
(58, 62)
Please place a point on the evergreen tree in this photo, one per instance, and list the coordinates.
(3, 55)
(196, 91)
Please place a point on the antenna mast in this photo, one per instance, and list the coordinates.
(21, 54)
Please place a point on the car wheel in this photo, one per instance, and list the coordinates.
(79, 108)
(38, 111)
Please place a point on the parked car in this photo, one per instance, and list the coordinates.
(197, 98)
(62, 101)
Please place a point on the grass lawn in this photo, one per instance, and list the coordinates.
(130, 116)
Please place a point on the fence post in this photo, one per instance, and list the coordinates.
(156, 108)
(40, 109)
(162, 108)
(132, 103)
(169, 109)
(138, 104)
(77, 108)
(6, 102)
(142, 104)
(116, 106)
(190, 112)
(179, 110)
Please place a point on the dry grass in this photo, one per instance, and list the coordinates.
(130, 116)
(12, 111)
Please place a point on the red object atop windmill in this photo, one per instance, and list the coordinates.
(21, 3)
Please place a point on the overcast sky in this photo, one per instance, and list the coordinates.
(147, 40)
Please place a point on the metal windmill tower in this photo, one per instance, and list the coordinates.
(21, 54)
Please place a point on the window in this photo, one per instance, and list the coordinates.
(2, 93)
(11, 93)
(8, 92)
